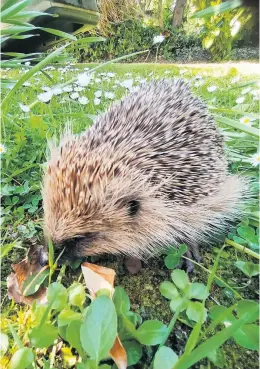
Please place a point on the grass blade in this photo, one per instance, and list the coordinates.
(237, 125)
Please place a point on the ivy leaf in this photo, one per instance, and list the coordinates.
(134, 352)
(151, 332)
(43, 336)
(99, 329)
(248, 268)
(244, 306)
(180, 278)
(22, 359)
(57, 292)
(77, 294)
(198, 291)
(168, 290)
(165, 358)
(217, 357)
(194, 311)
(66, 316)
(248, 336)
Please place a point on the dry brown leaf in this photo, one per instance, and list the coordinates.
(22, 270)
(98, 278)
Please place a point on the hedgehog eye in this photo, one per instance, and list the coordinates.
(133, 207)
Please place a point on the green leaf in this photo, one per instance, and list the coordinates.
(172, 260)
(246, 232)
(217, 357)
(177, 302)
(221, 314)
(194, 311)
(218, 9)
(6, 248)
(99, 329)
(12, 10)
(67, 315)
(151, 332)
(43, 336)
(77, 294)
(58, 33)
(89, 40)
(207, 42)
(248, 268)
(198, 291)
(165, 358)
(22, 359)
(34, 282)
(252, 131)
(121, 301)
(245, 305)
(58, 293)
(4, 343)
(50, 244)
(180, 278)
(169, 290)
(73, 335)
(134, 352)
(248, 336)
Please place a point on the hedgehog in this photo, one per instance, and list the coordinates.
(149, 173)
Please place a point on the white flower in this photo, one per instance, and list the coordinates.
(110, 74)
(235, 79)
(128, 83)
(182, 71)
(68, 88)
(246, 121)
(256, 94)
(240, 100)
(74, 95)
(150, 74)
(78, 89)
(2, 149)
(199, 83)
(45, 88)
(27, 63)
(158, 39)
(255, 159)
(45, 96)
(24, 108)
(246, 90)
(83, 79)
(86, 68)
(97, 80)
(98, 93)
(27, 84)
(109, 95)
(83, 100)
(57, 90)
(96, 101)
(167, 72)
(212, 88)
(129, 74)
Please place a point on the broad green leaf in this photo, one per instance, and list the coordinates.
(217, 357)
(172, 260)
(22, 359)
(4, 343)
(151, 332)
(218, 9)
(134, 352)
(246, 232)
(169, 290)
(66, 316)
(58, 293)
(73, 335)
(121, 301)
(244, 305)
(195, 310)
(6, 248)
(99, 329)
(177, 302)
(43, 336)
(180, 278)
(198, 291)
(165, 358)
(77, 294)
(35, 281)
(248, 268)
(248, 336)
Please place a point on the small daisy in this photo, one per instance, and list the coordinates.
(78, 89)
(2, 149)
(97, 80)
(235, 79)
(255, 159)
(68, 88)
(182, 71)
(24, 108)
(199, 83)
(98, 93)
(57, 90)
(83, 100)
(109, 95)
(158, 39)
(240, 100)
(83, 79)
(45, 96)
(167, 72)
(96, 101)
(27, 84)
(246, 121)
(212, 88)
(128, 83)
(27, 63)
(86, 68)
(74, 95)
(110, 74)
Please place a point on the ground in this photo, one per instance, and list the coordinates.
(24, 136)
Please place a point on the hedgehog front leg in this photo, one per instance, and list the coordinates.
(133, 265)
(192, 253)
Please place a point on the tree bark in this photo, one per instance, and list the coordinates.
(178, 12)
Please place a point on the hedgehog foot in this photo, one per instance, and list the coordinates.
(132, 264)
(194, 254)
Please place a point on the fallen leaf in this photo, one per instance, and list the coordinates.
(98, 278)
(23, 270)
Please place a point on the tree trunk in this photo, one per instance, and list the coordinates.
(160, 13)
(178, 12)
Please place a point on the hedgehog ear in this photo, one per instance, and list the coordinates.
(133, 207)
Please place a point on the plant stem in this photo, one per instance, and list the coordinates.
(241, 248)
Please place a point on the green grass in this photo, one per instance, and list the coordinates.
(24, 136)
